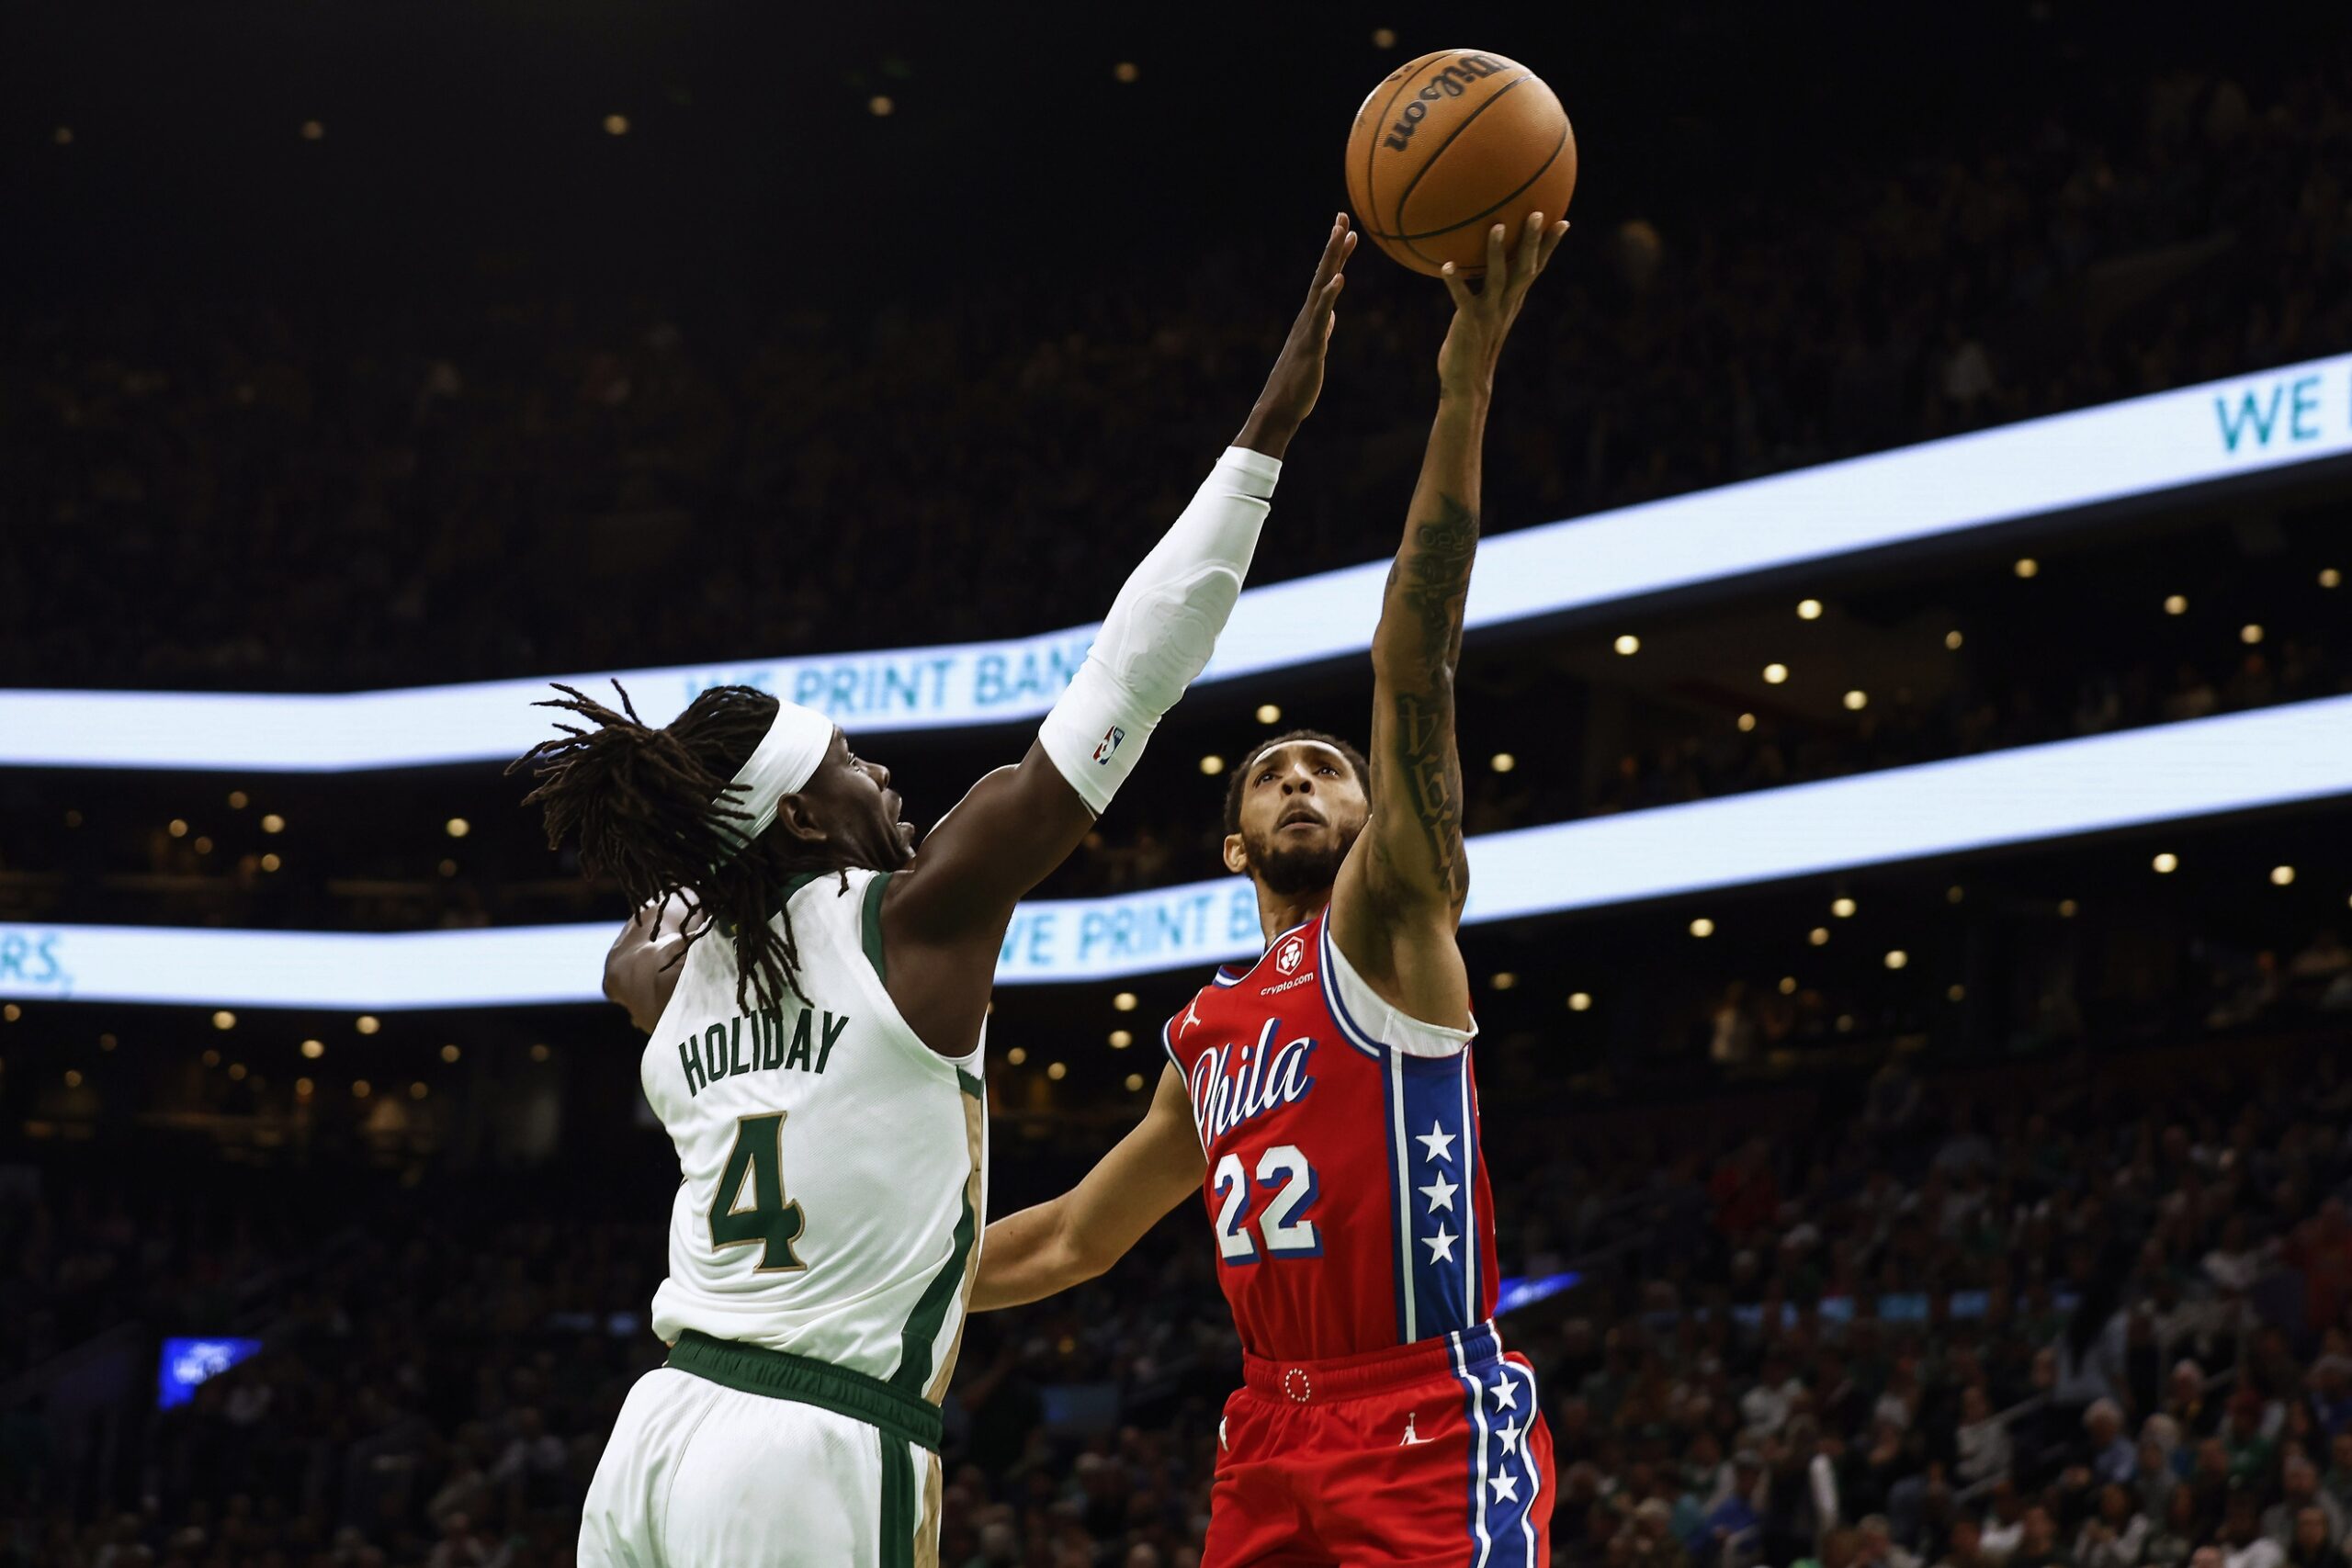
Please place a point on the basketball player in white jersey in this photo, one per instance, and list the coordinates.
(818, 1065)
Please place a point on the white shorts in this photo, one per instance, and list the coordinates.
(700, 1475)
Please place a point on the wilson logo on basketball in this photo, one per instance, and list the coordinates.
(1450, 83)
(1293, 954)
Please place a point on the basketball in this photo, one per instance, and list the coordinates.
(1450, 144)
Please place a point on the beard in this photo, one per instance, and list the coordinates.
(1288, 870)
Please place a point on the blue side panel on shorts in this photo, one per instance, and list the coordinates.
(1499, 1400)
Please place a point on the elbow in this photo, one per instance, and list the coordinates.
(1405, 661)
(1082, 1260)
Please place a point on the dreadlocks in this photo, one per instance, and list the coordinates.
(640, 802)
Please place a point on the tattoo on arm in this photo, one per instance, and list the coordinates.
(1429, 587)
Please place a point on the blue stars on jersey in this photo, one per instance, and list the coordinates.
(1433, 1152)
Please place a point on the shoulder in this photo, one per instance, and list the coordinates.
(641, 968)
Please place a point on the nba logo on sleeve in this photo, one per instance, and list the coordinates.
(1110, 743)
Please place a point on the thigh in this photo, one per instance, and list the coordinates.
(1256, 1516)
(619, 1523)
(773, 1483)
(1440, 1475)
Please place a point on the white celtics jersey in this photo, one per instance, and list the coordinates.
(836, 1168)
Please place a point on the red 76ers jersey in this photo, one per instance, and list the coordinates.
(1345, 1187)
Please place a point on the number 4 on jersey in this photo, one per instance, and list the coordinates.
(770, 1221)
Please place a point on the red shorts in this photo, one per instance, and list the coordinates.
(1434, 1453)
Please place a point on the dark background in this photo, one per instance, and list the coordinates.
(773, 375)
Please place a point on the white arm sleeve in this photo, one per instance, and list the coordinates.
(1161, 630)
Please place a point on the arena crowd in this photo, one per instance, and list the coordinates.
(2074, 1315)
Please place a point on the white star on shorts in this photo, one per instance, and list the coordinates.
(1509, 1432)
(1440, 1193)
(1440, 1245)
(1436, 1140)
(1506, 1487)
(1506, 1393)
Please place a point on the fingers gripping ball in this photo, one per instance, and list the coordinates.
(1450, 144)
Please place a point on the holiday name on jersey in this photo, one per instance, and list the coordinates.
(1268, 1075)
(722, 1052)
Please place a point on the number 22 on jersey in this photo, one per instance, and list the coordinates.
(1284, 1228)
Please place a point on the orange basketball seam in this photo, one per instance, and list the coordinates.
(1403, 79)
(1539, 172)
(1430, 163)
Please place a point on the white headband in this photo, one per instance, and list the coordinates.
(783, 762)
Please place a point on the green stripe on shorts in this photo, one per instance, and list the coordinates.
(897, 1503)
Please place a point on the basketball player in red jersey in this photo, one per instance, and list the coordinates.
(1326, 1091)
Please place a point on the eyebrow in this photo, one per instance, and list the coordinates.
(1302, 745)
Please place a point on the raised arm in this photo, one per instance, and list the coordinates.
(1399, 896)
(945, 915)
(1037, 1252)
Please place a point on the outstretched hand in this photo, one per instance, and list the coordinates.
(1483, 315)
(1296, 379)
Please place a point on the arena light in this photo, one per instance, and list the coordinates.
(2169, 773)
(2195, 435)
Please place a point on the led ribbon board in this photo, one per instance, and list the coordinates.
(2170, 772)
(2142, 447)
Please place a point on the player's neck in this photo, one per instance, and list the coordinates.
(1278, 912)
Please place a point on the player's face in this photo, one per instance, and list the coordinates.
(1302, 808)
(862, 817)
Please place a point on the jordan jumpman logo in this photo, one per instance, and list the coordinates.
(1411, 1436)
